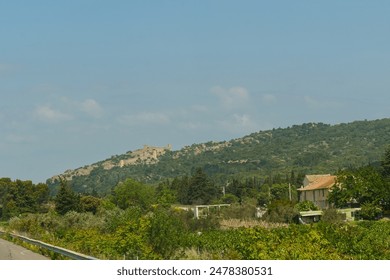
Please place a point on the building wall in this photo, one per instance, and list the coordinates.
(318, 197)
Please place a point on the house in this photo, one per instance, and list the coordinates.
(316, 189)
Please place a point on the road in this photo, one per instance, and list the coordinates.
(10, 251)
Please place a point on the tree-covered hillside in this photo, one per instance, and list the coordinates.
(306, 148)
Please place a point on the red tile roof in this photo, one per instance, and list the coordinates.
(317, 182)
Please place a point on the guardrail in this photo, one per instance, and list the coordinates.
(65, 252)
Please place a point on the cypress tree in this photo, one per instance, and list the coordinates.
(66, 200)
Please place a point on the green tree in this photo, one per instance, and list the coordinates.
(386, 163)
(359, 186)
(281, 211)
(165, 194)
(370, 211)
(133, 193)
(279, 192)
(90, 203)
(181, 187)
(201, 190)
(66, 200)
(331, 216)
(19, 196)
(166, 232)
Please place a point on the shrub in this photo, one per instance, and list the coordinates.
(370, 211)
(332, 216)
(239, 211)
(281, 211)
(306, 206)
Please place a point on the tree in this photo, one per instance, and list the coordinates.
(19, 196)
(331, 216)
(166, 232)
(133, 193)
(66, 200)
(201, 190)
(359, 186)
(370, 211)
(279, 192)
(90, 203)
(281, 211)
(180, 186)
(386, 163)
(165, 194)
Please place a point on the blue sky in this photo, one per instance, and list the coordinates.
(83, 80)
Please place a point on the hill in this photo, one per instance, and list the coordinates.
(308, 148)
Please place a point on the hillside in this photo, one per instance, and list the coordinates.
(309, 148)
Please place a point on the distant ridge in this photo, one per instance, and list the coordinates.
(310, 148)
(146, 155)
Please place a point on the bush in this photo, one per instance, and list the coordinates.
(306, 206)
(165, 232)
(239, 211)
(369, 211)
(281, 211)
(332, 216)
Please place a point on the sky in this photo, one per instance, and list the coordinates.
(83, 80)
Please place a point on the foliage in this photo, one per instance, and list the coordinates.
(241, 211)
(133, 193)
(359, 186)
(306, 205)
(166, 195)
(90, 203)
(306, 148)
(370, 211)
(17, 197)
(385, 163)
(365, 240)
(332, 216)
(66, 200)
(201, 190)
(136, 220)
(281, 211)
(229, 199)
(165, 234)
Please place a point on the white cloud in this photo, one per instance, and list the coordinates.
(48, 114)
(238, 123)
(91, 107)
(145, 118)
(242, 120)
(67, 109)
(231, 97)
(269, 98)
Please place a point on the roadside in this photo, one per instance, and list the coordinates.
(11, 251)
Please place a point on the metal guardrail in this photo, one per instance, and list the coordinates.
(65, 252)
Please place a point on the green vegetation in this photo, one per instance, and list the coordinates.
(143, 217)
(169, 234)
(17, 197)
(66, 200)
(366, 187)
(307, 148)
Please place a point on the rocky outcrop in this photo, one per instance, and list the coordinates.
(146, 155)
